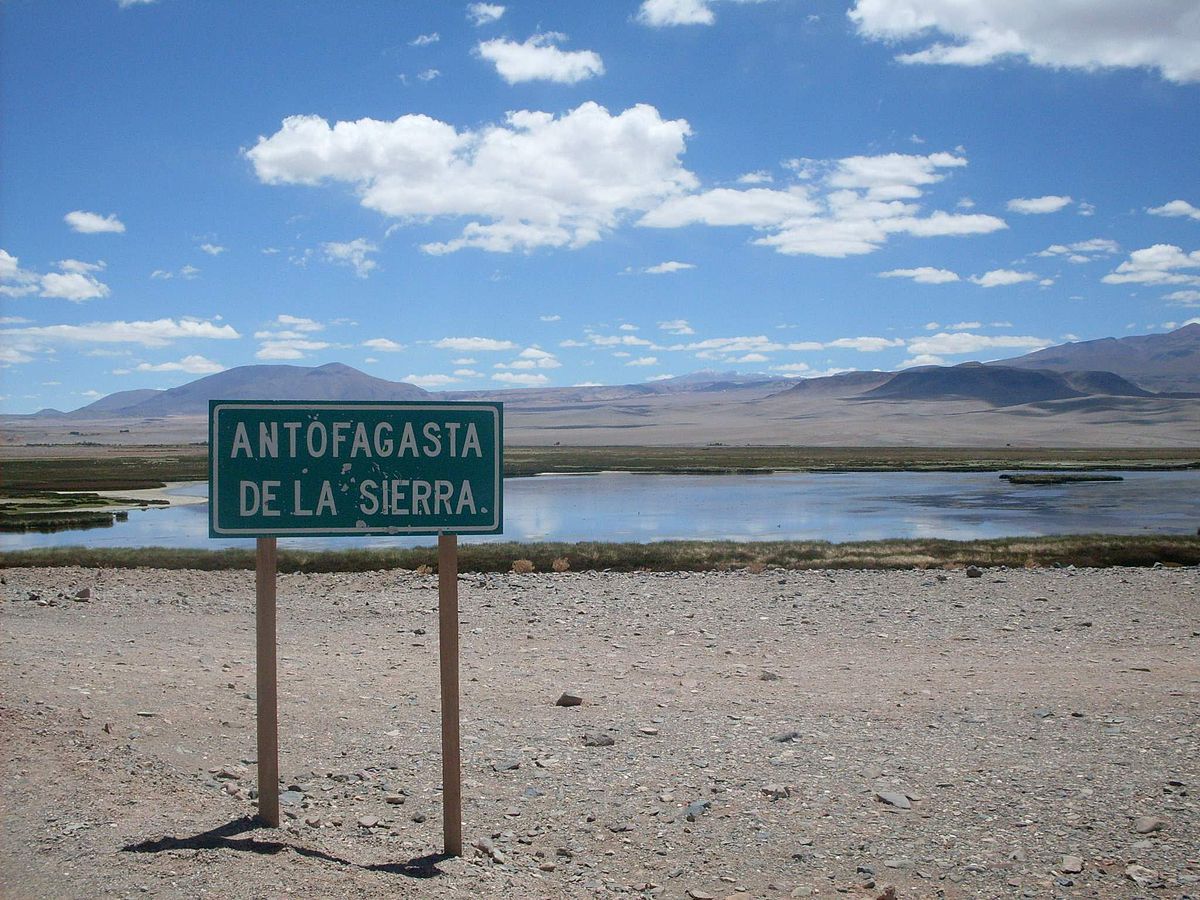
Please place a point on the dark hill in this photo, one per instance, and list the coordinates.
(1158, 362)
(998, 386)
(329, 382)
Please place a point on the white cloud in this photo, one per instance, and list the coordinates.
(661, 13)
(762, 176)
(523, 378)
(922, 275)
(213, 249)
(619, 340)
(535, 181)
(1176, 208)
(189, 272)
(1156, 265)
(1081, 251)
(922, 359)
(156, 333)
(384, 345)
(964, 326)
(540, 59)
(298, 323)
(851, 208)
(354, 254)
(468, 373)
(72, 286)
(676, 326)
(956, 343)
(94, 223)
(473, 344)
(1092, 35)
(792, 368)
(554, 318)
(1002, 277)
(644, 361)
(865, 344)
(1030, 206)
(289, 348)
(428, 74)
(430, 381)
(80, 267)
(484, 13)
(127, 4)
(627, 327)
(1184, 298)
(13, 356)
(424, 40)
(532, 358)
(666, 268)
(464, 361)
(193, 365)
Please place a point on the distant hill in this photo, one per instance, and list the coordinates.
(329, 382)
(999, 385)
(1157, 362)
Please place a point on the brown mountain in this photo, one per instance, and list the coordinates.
(1157, 362)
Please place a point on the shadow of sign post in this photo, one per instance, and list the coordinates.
(284, 468)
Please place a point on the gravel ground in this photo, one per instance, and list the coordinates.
(779, 734)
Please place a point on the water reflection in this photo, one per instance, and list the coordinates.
(835, 507)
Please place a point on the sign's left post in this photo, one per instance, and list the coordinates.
(265, 565)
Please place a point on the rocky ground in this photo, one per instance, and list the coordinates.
(1026, 733)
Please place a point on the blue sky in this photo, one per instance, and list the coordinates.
(474, 196)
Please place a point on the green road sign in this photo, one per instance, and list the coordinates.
(293, 468)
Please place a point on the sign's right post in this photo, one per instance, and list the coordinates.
(448, 653)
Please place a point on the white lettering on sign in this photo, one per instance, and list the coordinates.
(415, 497)
(350, 440)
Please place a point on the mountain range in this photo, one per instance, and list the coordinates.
(1141, 389)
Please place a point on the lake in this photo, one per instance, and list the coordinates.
(785, 506)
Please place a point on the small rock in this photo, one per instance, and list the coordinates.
(787, 737)
(368, 821)
(394, 799)
(697, 894)
(506, 765)
(893, 798)
(1149, 824)
(569, 700)
(597, 740)
(648, 730)
(696, 809)
(1071, 865)
(974, 572)
(1043, 713)
(291, 798)
(1141, 875)
(769, 676)
(776, 791)
(83, 595)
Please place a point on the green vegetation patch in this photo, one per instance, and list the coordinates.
(1089, 550)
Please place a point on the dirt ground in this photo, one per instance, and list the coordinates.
(780, 734)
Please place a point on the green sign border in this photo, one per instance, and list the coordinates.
(495, 408)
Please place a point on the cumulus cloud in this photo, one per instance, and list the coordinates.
(1184, 298)
(551, 318)
(661, 13)
(957, 343)
(94, 223)
(156, 333)
(851, 206)
(193, 365)
(1031, 206)
(424, 40)
(298, 323)
(1081, 251)
(484, 13)
(526, 379)
(1159, 264)
(1002, 278)
(1176, 208)
(430, 381)
(537, 180)
(666, 268)
(922, 275)
(1097, 34)
(538, 58)
(276, 348)
(213, 249)
(865, 344)
(645, 361)
(676, 326)
(355, 254)
(74, 281)
(473, 344)
(383, 345)
(531, 358)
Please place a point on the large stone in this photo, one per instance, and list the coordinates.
(1149, 824)
(893, 798)
(1072, 865)
(566, 699)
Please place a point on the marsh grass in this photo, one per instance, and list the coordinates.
(1089, 550)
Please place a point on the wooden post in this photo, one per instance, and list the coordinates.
(448, 653)
(266, 558)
